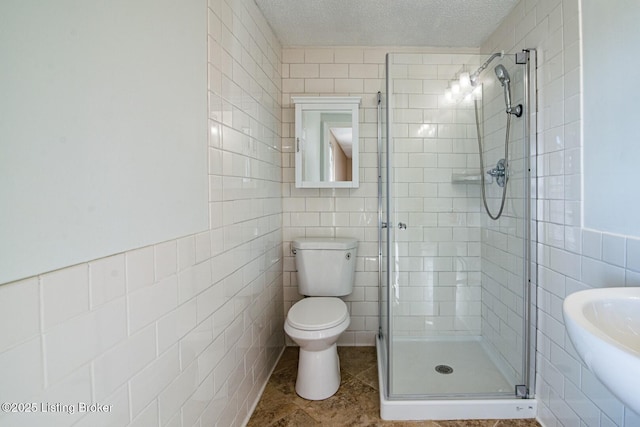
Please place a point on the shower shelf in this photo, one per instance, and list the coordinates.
(465, 178)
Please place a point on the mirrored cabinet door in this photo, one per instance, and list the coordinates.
(326, 142)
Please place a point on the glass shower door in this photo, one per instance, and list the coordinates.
(456, 278)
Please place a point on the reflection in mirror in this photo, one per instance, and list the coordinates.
(340, 144)
(327, 141)
(326, 144)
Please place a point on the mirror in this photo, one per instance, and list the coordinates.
(326, 142)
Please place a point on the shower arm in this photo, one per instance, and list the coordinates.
(476, 74)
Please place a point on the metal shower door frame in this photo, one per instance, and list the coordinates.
(526, 390)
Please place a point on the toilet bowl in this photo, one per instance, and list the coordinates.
(315, 324)
(325, 271)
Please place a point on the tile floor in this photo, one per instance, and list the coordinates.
(355, 404)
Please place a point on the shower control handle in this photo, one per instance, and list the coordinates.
(402, 226)
(500, 173)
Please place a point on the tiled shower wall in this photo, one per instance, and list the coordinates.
(184, 332)
(439, 253)
(570, 258)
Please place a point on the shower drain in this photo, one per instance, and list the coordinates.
(444, 369)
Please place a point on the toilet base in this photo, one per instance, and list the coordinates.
(318, 373)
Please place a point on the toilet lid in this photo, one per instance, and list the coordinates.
(312, 314)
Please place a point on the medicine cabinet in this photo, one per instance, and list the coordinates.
(326, 141)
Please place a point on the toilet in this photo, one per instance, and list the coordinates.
(325, 271)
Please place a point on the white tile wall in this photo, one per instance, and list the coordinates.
(570, 258)
(440, 251)
(425, 157)
(184, 332)
(335, 212)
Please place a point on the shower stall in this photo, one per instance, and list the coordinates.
(456, 143)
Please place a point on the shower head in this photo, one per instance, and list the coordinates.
(505, 81)
(502, 75)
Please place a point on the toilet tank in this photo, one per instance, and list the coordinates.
(325, 266)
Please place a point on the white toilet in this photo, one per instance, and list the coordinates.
(325, 271)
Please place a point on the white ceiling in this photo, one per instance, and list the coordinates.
(344, 136)
(433, 23)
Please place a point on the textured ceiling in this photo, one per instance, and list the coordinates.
(438, 23)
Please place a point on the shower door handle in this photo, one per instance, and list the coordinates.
(402, 226)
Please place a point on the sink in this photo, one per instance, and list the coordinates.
(604, 326)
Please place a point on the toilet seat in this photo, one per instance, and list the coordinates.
(317, 313)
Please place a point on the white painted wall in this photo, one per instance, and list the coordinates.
(611, 116)
(104, 121)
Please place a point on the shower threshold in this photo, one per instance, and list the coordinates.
(450, 409)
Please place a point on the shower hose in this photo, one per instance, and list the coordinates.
(506, 165)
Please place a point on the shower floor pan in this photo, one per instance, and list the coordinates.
(420, 368)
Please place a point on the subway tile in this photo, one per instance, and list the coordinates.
(107, 279)
(93, 333)
(318, 85)
(573, 239)
(210, 300)
(633, 254)
(291, 56)
(291, 85)
(193, 280)
(304, 70)
(613, 249)
(71, 390)
(351, 85)
(203, 247)
(65, 294)
(118, 414)
(580, 404)
(592, 244)
(116, 366)
(318, 56)
(164, 295)
(177, 392)
(320, 204)
(147, 384)
(201, 398)
(349, 204)
(334, 70)
(365, 71)
(631, 418)
(23, 376)
(565, 263)
(175, 325)
(166, 259)
(349, 56)
(186, 252)
(19, 313)
(608, 403)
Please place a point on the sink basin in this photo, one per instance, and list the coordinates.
(604, 326)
